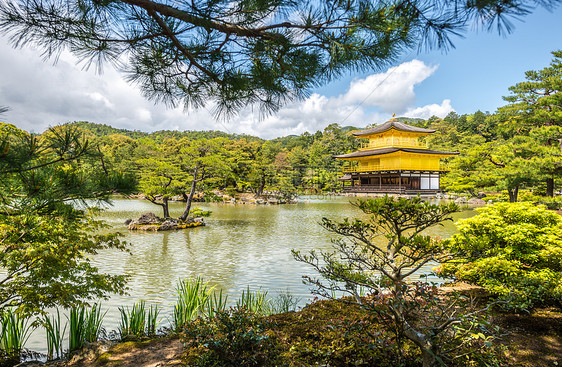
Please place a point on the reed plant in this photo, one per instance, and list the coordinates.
(255, 302)
(55, 336)
(85, 325)
(215, 303)
(192, 298)
(285, 302)
(15, 332)
(133, 321)
(152, 320)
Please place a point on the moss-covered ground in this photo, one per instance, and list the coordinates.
(328, 333)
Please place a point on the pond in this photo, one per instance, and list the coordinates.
(241, 246)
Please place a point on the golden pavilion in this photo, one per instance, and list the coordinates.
(394, 160)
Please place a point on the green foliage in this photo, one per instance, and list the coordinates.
(216, 302)
(15, 332)
(198, 212)
(85, 326)
(255, 301)
(346, 341)
(138, 322)
(237, 54)
(285, 302)
(46, 263)
(518, 147)
(45, 239)
(413, 311)
(235, 337)
(193, 295)
(55, 336)
(512, 250)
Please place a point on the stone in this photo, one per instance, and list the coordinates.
(476, 201)
(461, 200)
(150, 222)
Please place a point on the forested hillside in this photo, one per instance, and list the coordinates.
(514, 153)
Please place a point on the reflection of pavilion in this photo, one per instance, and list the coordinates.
(393, 161)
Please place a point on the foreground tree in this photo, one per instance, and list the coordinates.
(244, 52)
(512, 250)
(380, 258)
(45, 239)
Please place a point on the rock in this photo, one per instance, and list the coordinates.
(146, 218)
(150, 222)
(273, 201)
(476, 201)
(168, 225)
(260, 201)
(461, 200)
(128, 221)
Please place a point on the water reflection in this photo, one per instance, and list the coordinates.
(242, 245)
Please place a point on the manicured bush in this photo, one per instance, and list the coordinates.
(514, 250)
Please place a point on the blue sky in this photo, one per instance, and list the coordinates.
(473, 76)
(483, 65)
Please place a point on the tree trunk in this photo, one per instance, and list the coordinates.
(165, 207)
(259, 192)
(513, 194)
(190, 197)
(163, 204)
(550, 187)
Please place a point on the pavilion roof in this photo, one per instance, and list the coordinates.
(381, 151)
(394, 124)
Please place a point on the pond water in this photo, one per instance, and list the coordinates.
(241, 246)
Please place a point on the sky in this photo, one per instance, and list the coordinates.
(472, 76)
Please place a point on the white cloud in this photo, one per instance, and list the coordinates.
(425, 112)
(391, 91)
(41, 94)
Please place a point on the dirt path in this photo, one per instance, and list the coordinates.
(164, 352)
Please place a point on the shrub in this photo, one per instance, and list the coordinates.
(236, 337)
(514, 250)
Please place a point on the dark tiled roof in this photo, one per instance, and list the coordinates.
(393, 124)
(367, 153)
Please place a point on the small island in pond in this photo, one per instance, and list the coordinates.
(151, 222)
